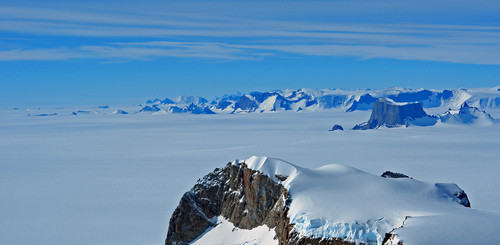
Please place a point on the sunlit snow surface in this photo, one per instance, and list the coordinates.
(339, 201)
(225, 233)
(116, 179)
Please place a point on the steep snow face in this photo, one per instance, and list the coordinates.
(278, 170)
(226, 233)
(343, 202)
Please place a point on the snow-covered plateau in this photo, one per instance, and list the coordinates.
(114, 178)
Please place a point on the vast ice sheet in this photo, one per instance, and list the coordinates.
(116, 179)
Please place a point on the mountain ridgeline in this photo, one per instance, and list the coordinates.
(317, 100)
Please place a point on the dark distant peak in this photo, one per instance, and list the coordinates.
(152, 108)
(223, 104)
(411, 96)
(393, 175)
(447, 94)
(262, 96)
(203, 100)
(367, 98)
(245, 103)
(337, 127)
(208, 111)
(167, 101)
(465, 105)
(365, 102)
(153, 101)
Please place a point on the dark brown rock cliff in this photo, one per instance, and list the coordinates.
(243, 196)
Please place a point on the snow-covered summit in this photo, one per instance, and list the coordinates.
(334, 202)
(468, 115)
(366, 206)
(278, 170)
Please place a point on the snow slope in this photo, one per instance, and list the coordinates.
(340, 201)
(226, 233)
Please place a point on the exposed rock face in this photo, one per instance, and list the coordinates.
(245, 103)
(295, 239)
(364, 103)
(241, 195)
(464, 200)
(152, 108)
(393, 175)
(452, 190)
(388, 113)
(337, 127)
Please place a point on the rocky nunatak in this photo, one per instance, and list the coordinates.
(245, 197)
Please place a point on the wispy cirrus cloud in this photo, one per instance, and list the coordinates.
(138, 35)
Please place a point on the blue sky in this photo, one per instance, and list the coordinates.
(124, 52)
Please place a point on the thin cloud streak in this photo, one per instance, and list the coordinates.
(232, 38)
(391, 35)
(227, 52)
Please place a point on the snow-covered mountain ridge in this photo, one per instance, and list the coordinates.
(334, 204)
(310, 100)
(316, 100)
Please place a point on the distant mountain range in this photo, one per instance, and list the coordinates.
(317, 100)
